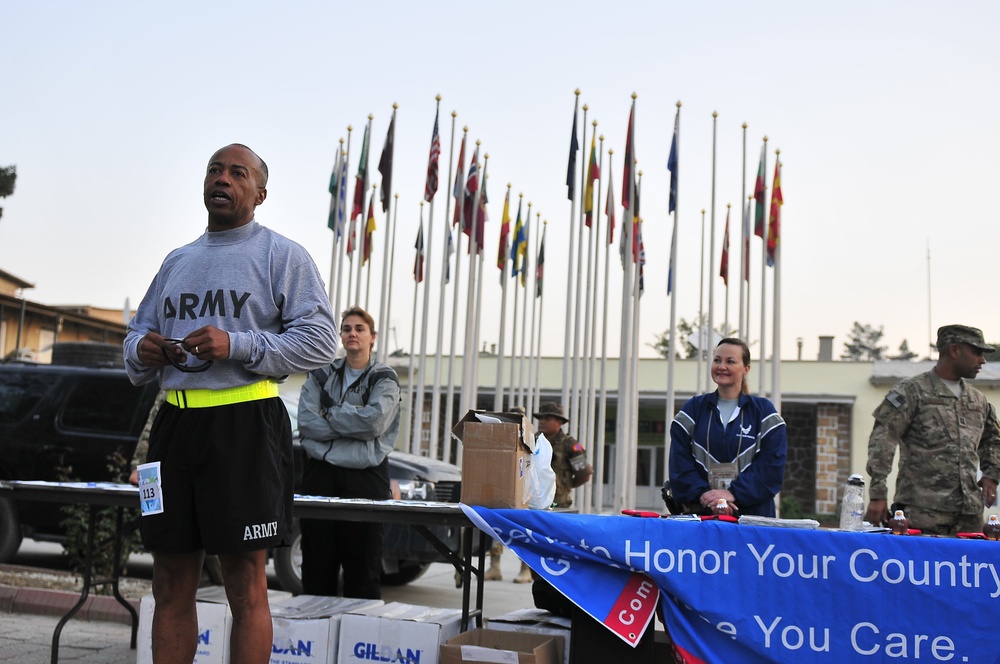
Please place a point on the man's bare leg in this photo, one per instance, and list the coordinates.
(175, 619)
(246, 588)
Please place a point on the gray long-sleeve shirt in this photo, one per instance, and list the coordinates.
(257, 285)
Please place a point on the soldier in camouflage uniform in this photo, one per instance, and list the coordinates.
(569, 460)
(945, 430)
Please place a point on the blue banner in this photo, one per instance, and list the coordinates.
(739, 593)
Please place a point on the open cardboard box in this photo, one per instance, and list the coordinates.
(496, 454)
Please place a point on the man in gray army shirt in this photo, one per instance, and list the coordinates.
(945, 430)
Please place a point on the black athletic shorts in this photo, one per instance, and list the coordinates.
(227, 478)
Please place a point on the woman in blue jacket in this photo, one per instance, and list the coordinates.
(728, 444)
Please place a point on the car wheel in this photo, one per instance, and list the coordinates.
(288, 562)
(409, 570)
(10, 530)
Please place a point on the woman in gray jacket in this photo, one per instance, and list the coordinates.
(349, 420)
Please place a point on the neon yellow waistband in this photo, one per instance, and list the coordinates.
(202, 398)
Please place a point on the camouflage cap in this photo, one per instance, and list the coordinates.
(962, 334)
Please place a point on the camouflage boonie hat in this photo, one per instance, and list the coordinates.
(962, 334)
(551, 409)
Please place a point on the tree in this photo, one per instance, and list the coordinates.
(905, 354)
(863, 344)
(8, 176)
(687, 334)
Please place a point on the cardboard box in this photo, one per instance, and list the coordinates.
(487, 645)
(535, 621)
(396, 632)
(496, 454)
(215, 623)
(307, 627)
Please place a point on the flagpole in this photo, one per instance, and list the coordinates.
(744, 295)
(368, 248)
(776, 306)
(470, 391)
(623, 433)
(725, 311)
(580, 400)
(573, 408)
(449, 402)
(701, 308)
(590, 326)
(763, 278)
(499, 388)
(344, 255)
(535, 365)
(513, 328)
(392, 261)
(410, 433)
(541, 315)
(602, 410)
(521, 373)
(672, 342)
(334, 204)
(480, 245)
(438, 359)
(366, 150)
(383, 305)
(711, 263)
(569, 272)
(634, 370)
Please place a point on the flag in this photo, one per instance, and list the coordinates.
(593, 173)
(418, 262)
(724, 265)
(540, 267)
(352, 238)
(774, 223)
(361, 181)
(627, 178)
(481, 218)
(458, 191)
(366, 246)
(609, 209)
(385, 164)
(431, 186)
(450, 249)
(641, 259)
(342, 195)
(574, 146)
(515, 247)
(331, 221)
(522, 251)
(672, 163)
(504, 232)
(746, 242)
(758, 195)
(469, 197)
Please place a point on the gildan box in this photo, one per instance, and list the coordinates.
(496, 454)
(214, 626)
(307, 627)
(488, 645)
(396, 632)
(536, 621)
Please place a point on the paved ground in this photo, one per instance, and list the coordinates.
(99, 634)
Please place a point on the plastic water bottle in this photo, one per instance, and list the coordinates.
(852, 507)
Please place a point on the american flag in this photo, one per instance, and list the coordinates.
(418, 262)
(432, 164)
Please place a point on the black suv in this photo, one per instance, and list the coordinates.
(61, 422)
(56, 417)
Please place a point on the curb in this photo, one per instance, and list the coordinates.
(58, 603)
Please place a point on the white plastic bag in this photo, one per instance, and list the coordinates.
(542, 479)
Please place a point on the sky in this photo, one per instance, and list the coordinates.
(881, 112)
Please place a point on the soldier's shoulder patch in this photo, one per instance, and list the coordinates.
(577, 447)
(897, 399)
